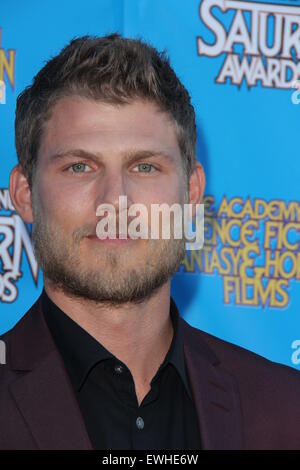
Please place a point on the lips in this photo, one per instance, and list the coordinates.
(111, 237)
(111, 241)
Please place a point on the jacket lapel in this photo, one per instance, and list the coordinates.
(43, 392)
(215, 393)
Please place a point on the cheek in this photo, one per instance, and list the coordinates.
(169, 191)
(65, 206)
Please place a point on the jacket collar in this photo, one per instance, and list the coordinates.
(45, 397)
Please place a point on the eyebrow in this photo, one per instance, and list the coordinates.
(129, 156)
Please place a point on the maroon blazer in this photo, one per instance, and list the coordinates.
(243, 400)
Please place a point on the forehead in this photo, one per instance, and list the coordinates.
(77, 120)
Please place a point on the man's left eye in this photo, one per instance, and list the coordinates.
(145, 167)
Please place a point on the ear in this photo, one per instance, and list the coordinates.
(20, 193)
(196, 186)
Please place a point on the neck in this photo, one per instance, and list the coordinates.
(137, 334)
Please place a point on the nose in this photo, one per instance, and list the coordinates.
(113, 185)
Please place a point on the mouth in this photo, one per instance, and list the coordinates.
(115, 241)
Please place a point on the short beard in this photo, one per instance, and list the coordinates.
(112, 284)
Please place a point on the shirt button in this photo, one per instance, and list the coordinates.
(118, 368)
(140, 423)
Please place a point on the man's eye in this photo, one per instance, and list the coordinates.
(77, 167)
(145, 167)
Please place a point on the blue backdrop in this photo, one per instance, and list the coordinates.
(240, 62)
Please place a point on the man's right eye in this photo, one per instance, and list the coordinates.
(77, 167)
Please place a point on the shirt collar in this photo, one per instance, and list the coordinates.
(80, 351)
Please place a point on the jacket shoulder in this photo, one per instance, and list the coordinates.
(19, 324)
(24, 336)
(236, 358)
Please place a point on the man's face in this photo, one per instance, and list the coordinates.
(101, 150)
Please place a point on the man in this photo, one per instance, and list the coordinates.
(103, 360)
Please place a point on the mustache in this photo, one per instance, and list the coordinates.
(84, 231)
(90, 230)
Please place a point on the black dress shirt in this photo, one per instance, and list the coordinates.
(105, 391)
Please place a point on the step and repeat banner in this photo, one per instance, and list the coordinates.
(240, 63)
